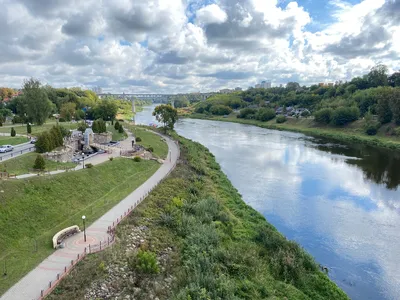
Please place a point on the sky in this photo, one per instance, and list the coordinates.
(180, 46)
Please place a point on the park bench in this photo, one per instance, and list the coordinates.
(60, 236)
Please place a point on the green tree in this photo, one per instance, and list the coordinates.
(378, 76)
(67, 111)
(116, 125)
(220, 110)
(38, 105)
(384, 111)
(56, 136)
(106, 110)
(95, 127)
(13, 133)
(121, 129)
(43, 144)
(40, 163)
(394, 103)
(323, 116)
(394, 79)
(28, 128)
(167, 115)
(344, 115)
(265, 114)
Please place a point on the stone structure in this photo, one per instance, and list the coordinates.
(102, 138)
(88, 138)
(63, 155)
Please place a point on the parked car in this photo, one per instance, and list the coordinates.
(6, 148)
(33, 141)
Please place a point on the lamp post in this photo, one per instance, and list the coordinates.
(84, 228)
(83, 157)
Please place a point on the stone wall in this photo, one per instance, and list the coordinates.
(103, 138)
(64, 155)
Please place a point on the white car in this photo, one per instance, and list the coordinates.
(6, 148)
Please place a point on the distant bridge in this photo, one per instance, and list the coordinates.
(158, 98)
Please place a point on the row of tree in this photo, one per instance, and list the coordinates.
(51, 139)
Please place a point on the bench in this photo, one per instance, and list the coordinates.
(60, 236)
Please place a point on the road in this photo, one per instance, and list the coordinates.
(38, 279)
(17, 151)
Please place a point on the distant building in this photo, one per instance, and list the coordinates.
(323, 84)
(97, 90)
(238, 89)
(258, 86)
(264, 85)
(225, 91)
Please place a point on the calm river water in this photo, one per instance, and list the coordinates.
(340, 202)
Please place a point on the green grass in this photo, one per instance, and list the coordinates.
(352, 133)
(116, 136)
(21, 129)
(222, 248)
(149, 139)
(24, 163)
(35, 209)
(12, 140)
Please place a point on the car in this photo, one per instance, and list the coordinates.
(33, 141)
(6, 148)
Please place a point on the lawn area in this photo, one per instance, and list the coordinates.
(35, 209)
(24, 163)
(149, 139)
(221, 248)
(116, 136)
(12, 140)
(21, 129)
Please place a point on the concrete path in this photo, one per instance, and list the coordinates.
(38, 279)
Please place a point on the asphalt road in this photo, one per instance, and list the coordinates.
(17, 151)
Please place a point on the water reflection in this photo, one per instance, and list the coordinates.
(333, 200)
(378, 165)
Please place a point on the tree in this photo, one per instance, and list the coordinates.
(167, 115)
(43, 144)
(95, 127)
(344, 115)
(56, 137)
(265, 114)
(323, 116)
(220, 110)
(106, 110)
(38, 104)
(292, 86)
(13, 133)
(116, 125)
(28, 128)
(394, 79)
(384, 111)
(121, 129)
(67, 110)
(40, 163)
(180, 101)
(378, 76)
(394, 103)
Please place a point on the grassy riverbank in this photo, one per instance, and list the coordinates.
(352, 133)
(208, 243)
(33, 210)
(23, 164)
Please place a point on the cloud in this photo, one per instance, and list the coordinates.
(192, 45)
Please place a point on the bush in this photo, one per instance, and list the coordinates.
(82, 127)
(111, 158)
(62, 120)
(89, 166)
(138, 139)
(371, 129)
(323, 116)
(281, 119)
(150, 149)
(220, 110)
(265, 114)
(396, 131)
(13, 133)
(247, 113)
(28, 128)
(121, 129)
(40, 163)
(143, 262)
(137, 159)
(344, 115)
(18, 119)
(305, 114)
(116, 125)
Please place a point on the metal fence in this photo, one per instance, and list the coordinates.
(16, 153)
(101, 246)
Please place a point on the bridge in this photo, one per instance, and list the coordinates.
(157, 98)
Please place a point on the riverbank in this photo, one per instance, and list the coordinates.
(195, 238)
(352, 133)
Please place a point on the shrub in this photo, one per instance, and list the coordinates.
(323, 116)
(89, 166)
(247, 113)
(121, 129)
(138, 139)
(305, 114)
(281, 119)
(28, 128)
(40, 163)
(137, 159)
(116, 125)
(220, 110)
(62, 120)
(111, 158)
(265, 114)
(143, 262)
(150, 149)
(13, 133)
(17, 119)
(82, 127)
(344, 115)
(371, 129)
(396, 131)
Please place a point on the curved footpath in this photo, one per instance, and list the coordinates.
(30, 286)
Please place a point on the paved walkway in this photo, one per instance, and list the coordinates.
(38, 279)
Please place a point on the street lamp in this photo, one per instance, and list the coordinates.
(84, 228)
(83, 157)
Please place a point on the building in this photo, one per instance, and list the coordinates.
(238, 89)
(97, 90)
(225, 91)
(264, 85)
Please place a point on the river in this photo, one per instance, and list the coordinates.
(340, 202)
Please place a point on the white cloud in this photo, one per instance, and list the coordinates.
(211, 14)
